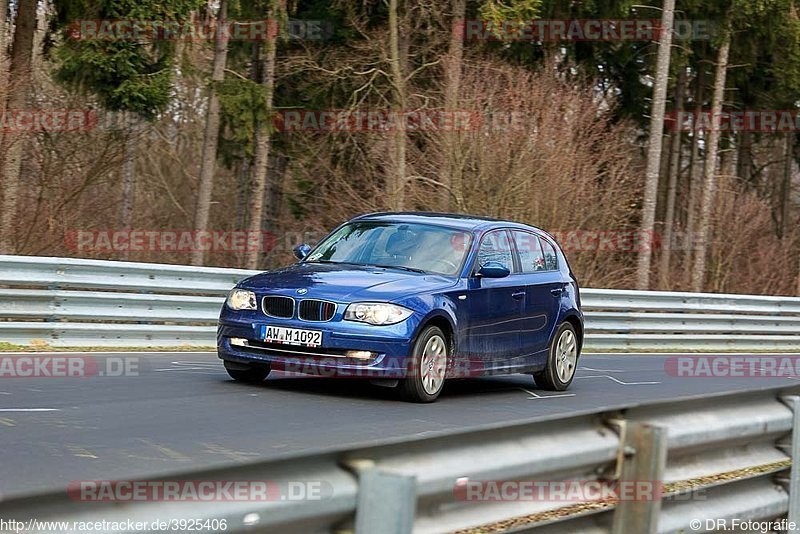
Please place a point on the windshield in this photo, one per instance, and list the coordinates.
(416, 247)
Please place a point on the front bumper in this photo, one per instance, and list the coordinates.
(391, 346)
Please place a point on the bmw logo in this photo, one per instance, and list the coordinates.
(302, 291)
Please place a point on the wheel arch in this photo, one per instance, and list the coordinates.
(444, 322)
(577, 323)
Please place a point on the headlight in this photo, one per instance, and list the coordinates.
(241, 299)
(377, 313)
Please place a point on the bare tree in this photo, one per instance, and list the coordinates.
(19, 78)
(129, 175)
(262, 140)
(695, 170)
(710, 168)
(654, 146)
(396, 175)
(674, 171)
(451, 169)
(786, 184)
(208, 162)
(798, 278)
(3, 11)
(3, 58)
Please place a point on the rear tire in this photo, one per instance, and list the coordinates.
(562, 360)
(428, 366)
(249, 374)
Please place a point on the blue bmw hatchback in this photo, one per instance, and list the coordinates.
(409, 300)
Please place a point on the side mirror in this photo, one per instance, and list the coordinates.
(493, 269)
(301, 251)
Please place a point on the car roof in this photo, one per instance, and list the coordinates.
(452, 220)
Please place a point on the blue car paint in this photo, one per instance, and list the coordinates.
(501, 325)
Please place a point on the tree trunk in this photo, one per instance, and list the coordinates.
(19, 77)
(694, 174)
(654, 145)
(3, 48)
(129, 178)
(727, 162)
(745, 160)
(709, 171)
(674, 171)
(208, 162)
(3, 11)
(263, 145)
(243, 167)
(798, 278)
(786, 183)
(396, 176)
(3, 58)
(663, 175)
(451, 168)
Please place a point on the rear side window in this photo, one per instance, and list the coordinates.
(550, 258)
(531, 257)
(495, 246)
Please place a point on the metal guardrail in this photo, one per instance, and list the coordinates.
(718, 456)
(122, 276)
(66, 302)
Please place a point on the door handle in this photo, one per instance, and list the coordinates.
(518, 295)
(557, 291)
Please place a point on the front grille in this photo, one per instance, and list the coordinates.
(278, 306)
(316, 310)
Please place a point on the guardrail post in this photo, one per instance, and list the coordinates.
(640, 482)
(793, 401)
(387, 501)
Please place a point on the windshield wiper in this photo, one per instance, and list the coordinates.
(334, 262)
(401, 267)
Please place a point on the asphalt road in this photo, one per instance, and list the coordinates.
(179, 411)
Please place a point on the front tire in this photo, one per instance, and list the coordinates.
(562, 360)
(428, 366)
(249, 374)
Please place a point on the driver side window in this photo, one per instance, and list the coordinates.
(495, 246)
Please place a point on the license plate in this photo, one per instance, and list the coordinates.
(291, 336)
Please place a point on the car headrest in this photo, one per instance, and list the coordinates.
(400, 242)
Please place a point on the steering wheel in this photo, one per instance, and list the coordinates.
(452, 267)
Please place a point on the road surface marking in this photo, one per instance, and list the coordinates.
(80, 452)
(619, 381)
(537, 396)
(166, 451)
(182, 365)
(29, 410)
(238, 456)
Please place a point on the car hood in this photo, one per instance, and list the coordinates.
(345, 283)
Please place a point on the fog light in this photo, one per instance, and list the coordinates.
(359, 354)
(239, 342)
